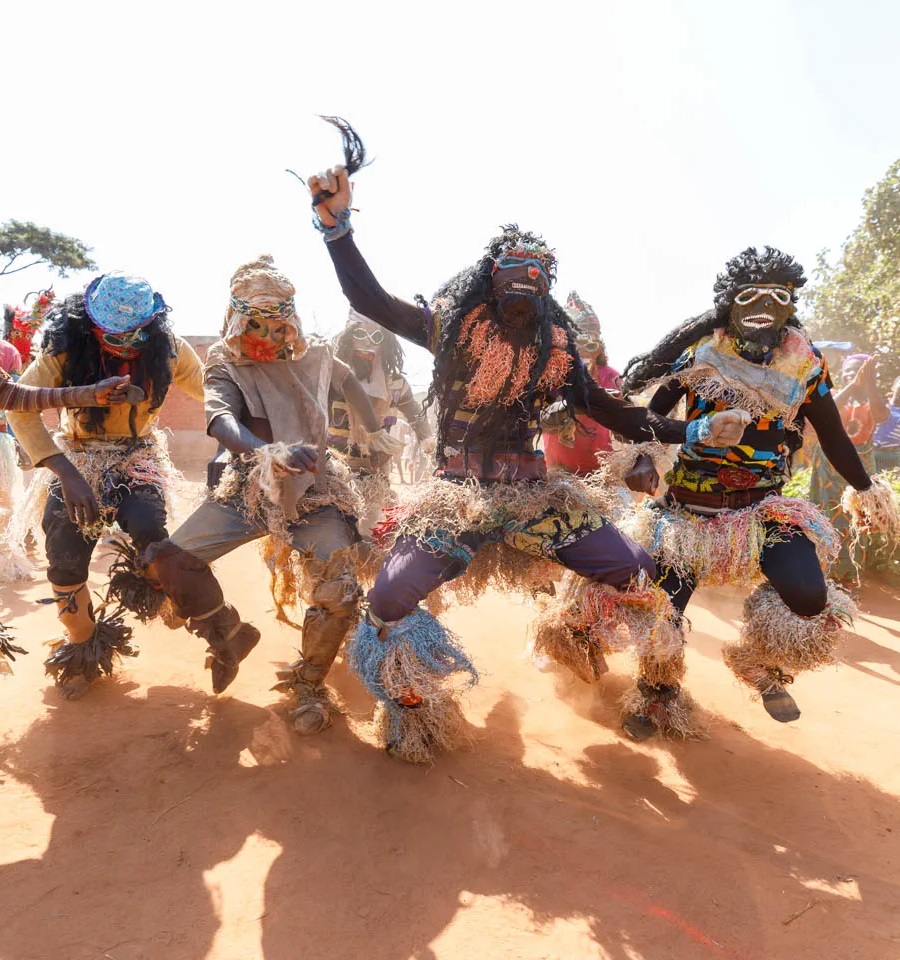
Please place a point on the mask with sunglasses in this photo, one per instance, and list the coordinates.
(365, 339)
(364, 351)
(759, 314)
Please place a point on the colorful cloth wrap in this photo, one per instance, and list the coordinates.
(717, 378)
(725, 548)
(537, 518)
(715, 370)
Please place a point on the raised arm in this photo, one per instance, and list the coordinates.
(361, 288)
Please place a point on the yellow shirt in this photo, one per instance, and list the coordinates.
(47, 371)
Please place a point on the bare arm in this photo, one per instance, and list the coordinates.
(233, 435)
(22, 398)
(413, 413)
(878, 405)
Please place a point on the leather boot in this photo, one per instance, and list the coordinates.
(197, 597)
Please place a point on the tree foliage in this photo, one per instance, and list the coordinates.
(858, 298)
(38, 245)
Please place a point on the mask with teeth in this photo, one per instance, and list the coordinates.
(758, 316)
(519, 286)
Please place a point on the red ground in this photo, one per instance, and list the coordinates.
(152, 820)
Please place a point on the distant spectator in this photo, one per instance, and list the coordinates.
(886, 439)
(10, 360)
(575, 444)
(862, 409)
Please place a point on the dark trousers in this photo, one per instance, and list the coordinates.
(790, 565)
(411, 570)
(140, 512)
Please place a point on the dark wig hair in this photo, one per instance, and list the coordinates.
(391, 351)
(746, 269)
(9, 313)
(69, 332)
(457, 298)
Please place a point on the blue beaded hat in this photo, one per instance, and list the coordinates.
(119, 303)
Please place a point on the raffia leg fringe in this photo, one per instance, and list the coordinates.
(568, 646)
(409, 667)
(416, 733)
(130, 585)
(74, 666)
(590, 620)
(313, 705)
(669, 708)
(774, 639)
(8, 651)
(14, 563)
(876, 510)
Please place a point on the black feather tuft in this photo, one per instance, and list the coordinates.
(128, 583)
(354, 149)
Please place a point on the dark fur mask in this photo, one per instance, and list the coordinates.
(472, 288)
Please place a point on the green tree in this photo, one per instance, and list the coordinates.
(38, 245)
(858, 297)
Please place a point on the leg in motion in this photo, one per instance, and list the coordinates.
(792, 623)
(407, 658)
(90, 645)
(657, 703)
(181, 565)
(326, 539)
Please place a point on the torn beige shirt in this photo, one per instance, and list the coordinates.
(291, 394)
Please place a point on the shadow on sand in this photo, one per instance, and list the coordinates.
(698, 850)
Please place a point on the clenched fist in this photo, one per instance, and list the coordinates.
(643, 477)
(331, 194)
(727, 428)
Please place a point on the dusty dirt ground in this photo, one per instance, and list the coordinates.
(153, 820)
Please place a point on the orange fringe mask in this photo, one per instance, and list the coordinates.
(500, 375)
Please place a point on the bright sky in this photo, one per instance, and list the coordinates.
(647, 141)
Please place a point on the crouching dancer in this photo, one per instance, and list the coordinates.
(267, 389)
(20, 398)
(723, 520)
(504, 349)
(105, 465)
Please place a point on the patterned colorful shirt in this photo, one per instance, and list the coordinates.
(760, 459)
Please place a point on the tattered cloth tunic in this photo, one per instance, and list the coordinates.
(279, 401)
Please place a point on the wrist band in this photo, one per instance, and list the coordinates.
(697, 431)
(340, 228)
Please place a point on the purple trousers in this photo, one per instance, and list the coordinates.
(412, 570)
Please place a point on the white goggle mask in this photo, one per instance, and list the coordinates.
(751, 294)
